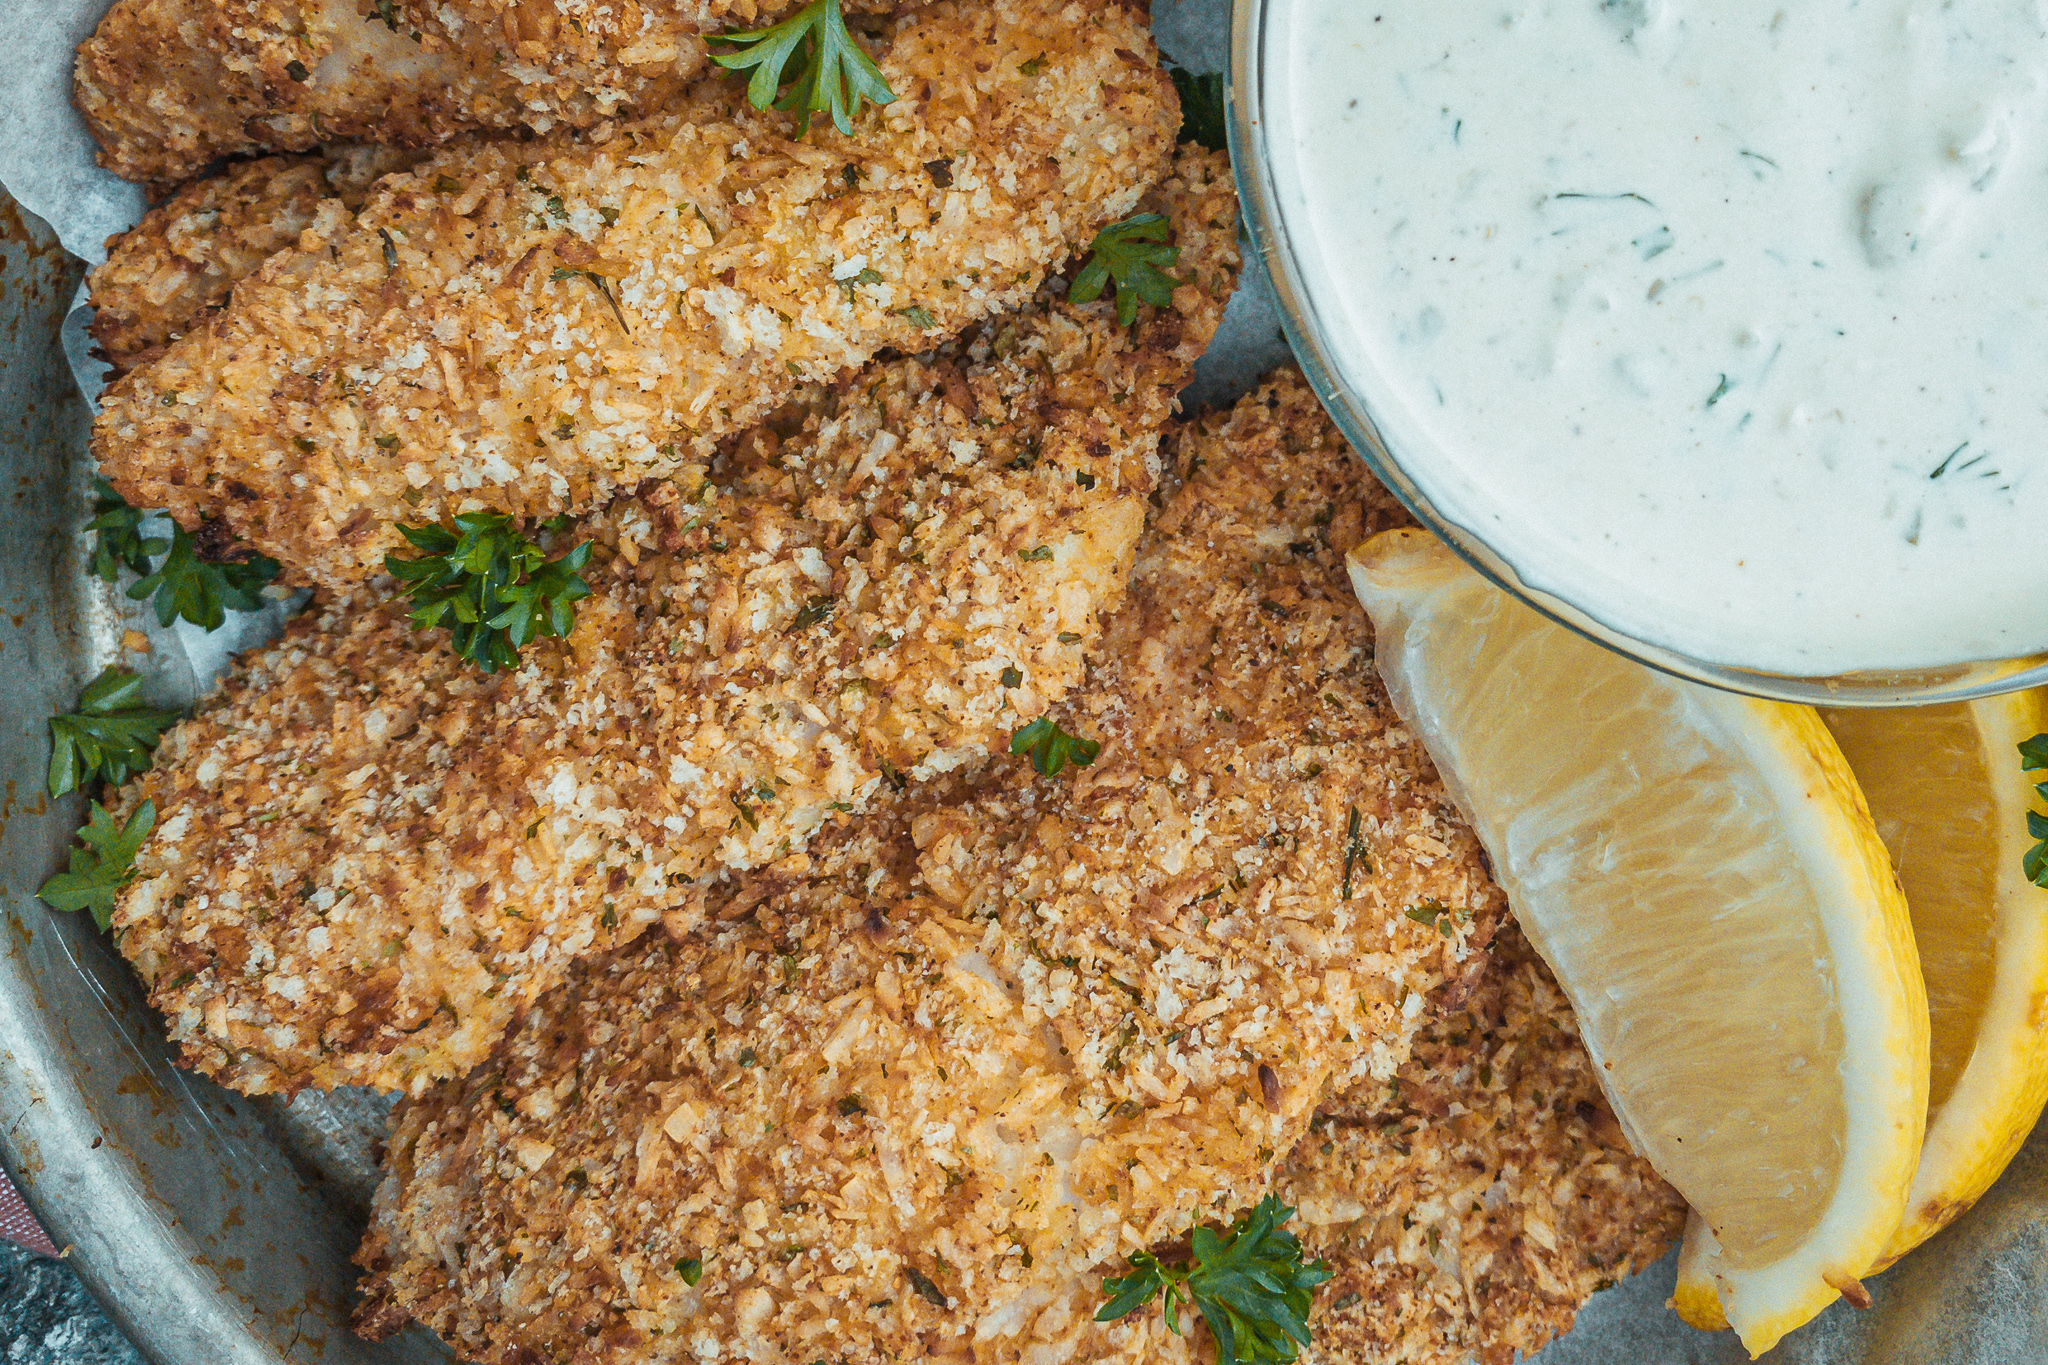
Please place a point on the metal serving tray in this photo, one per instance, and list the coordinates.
(216, 1229)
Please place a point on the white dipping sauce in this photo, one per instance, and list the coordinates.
(1722, 320)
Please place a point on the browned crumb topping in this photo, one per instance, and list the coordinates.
(905, 1091)
(1470, 1208)
(370, 855)
(533, 327)
(168, 86)
(185, 257)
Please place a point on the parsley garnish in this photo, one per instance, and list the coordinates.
(832, 74)
(183, 584)
(1250, 1287)
(202, 592)
(109, 736)
(492, 587)
(1201, 107)
(103, 865)
(1052, 748)
(118, 542)
(1133, 253)
(2033, 758)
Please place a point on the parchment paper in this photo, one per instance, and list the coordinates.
(1977, 1295)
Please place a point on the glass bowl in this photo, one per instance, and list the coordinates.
(1273, 250)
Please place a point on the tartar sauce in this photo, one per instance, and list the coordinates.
(1721, 319)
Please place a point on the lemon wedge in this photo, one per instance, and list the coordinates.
(1950, 800)
(1701, 874)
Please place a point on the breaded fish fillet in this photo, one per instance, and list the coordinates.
(371, 855)
(168, 86)
(1466, 1211)
(903, 1092)
(1472, 1207)
(530, 327)
(162, 276)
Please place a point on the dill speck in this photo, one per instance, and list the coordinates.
(599, 283)
(813, 612)
(1354, 849)
(1249, 1285)
(926, 1290)
(831, 74)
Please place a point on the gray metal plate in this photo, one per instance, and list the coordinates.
(217, 1229)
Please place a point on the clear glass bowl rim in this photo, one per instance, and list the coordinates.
(1273, 252)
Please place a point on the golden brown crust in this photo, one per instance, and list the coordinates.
(531, 327)
(1472, 1207)
(903, 1095)
(185, 257)
(370, 855)
(168, 86)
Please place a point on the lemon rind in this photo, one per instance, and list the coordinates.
(2003, 1087)
(1877, 979)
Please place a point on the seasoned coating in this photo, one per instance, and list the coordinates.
(168, 86)
(904, 1091)
(1472, 1207)
(1467, 1210)
(530, 327)
(187, 254)
(371, 855)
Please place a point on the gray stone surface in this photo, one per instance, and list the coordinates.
(47, 1318)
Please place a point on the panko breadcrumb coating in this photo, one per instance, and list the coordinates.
(901, 1093)
(531, 327)
(168, 86)
(1469, 1209)
(1466, 1211)
(184, 258)
(370, 855)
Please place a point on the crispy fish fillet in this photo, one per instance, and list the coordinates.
(1466, 1211)
(371, 855)
(168, 86)
(1471, 1208)
(903, 1092)
(531, 327)
(163, 275)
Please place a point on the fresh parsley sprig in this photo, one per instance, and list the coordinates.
(109, 737)
(493, 588)
(1201, 107)
(103, 863)
(2033, 758)
(832, 76)
(1134, 253)
(118, 542)
(1052, 748)
(182, 584)
(1249, 1285)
